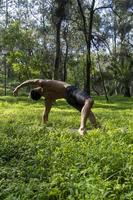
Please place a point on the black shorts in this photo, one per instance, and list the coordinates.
(76, 97)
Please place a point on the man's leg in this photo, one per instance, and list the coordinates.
(48, 105)
(92, 119)
(85, 113)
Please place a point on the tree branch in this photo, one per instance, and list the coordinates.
(103, 41)
(103, 7)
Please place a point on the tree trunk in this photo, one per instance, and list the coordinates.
(5, 75)
(127, 90)
(88, 66)
(65, 62)
(88, 71)
(95, 90)
(58, 52)
(88, 38)
(104, 88)
(101, 74)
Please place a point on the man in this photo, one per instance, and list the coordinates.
(52, 90)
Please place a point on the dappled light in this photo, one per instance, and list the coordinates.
(66, 100)
(55, 156)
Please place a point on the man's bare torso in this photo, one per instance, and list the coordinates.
(53, 89)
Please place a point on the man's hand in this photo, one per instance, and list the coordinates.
(15, 92)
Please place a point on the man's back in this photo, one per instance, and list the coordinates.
(55, 88)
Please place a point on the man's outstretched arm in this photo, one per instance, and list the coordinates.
(34, 82)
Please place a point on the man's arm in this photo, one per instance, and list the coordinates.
(34, 82)
(48, 105)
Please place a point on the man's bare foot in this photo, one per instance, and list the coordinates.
(82, 131)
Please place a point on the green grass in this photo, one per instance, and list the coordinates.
(49, 162)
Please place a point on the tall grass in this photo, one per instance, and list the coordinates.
(52, 161)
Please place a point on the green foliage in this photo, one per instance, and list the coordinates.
(22, 46)
(76, 71)
(53, 162)
(27, 32)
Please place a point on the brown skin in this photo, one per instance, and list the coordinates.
(53, 90)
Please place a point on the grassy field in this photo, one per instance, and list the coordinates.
(49, 162)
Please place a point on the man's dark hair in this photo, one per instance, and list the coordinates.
(35, 95)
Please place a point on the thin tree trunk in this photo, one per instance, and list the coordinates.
(5, 75)
(101, 74)
(88, 38)
(58, 51)
(6, 13)
(127, 89)
(88, 71)
(65, 62)
(88, 67)
(94, 89)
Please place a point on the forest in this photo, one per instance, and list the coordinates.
(88, 44)
(85, 43)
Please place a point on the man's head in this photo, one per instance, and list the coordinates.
(36, 93)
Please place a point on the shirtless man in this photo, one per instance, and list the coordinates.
(52, 90)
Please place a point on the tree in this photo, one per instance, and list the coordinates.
(122, 56)
(60, 12)
(88, 32)
(88, 38)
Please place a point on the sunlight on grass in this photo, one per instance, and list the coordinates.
(52, 161)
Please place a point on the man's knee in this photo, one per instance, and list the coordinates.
(89, 101)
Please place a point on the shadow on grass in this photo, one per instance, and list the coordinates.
(115, 107)
(115, 103)
(23, 99)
